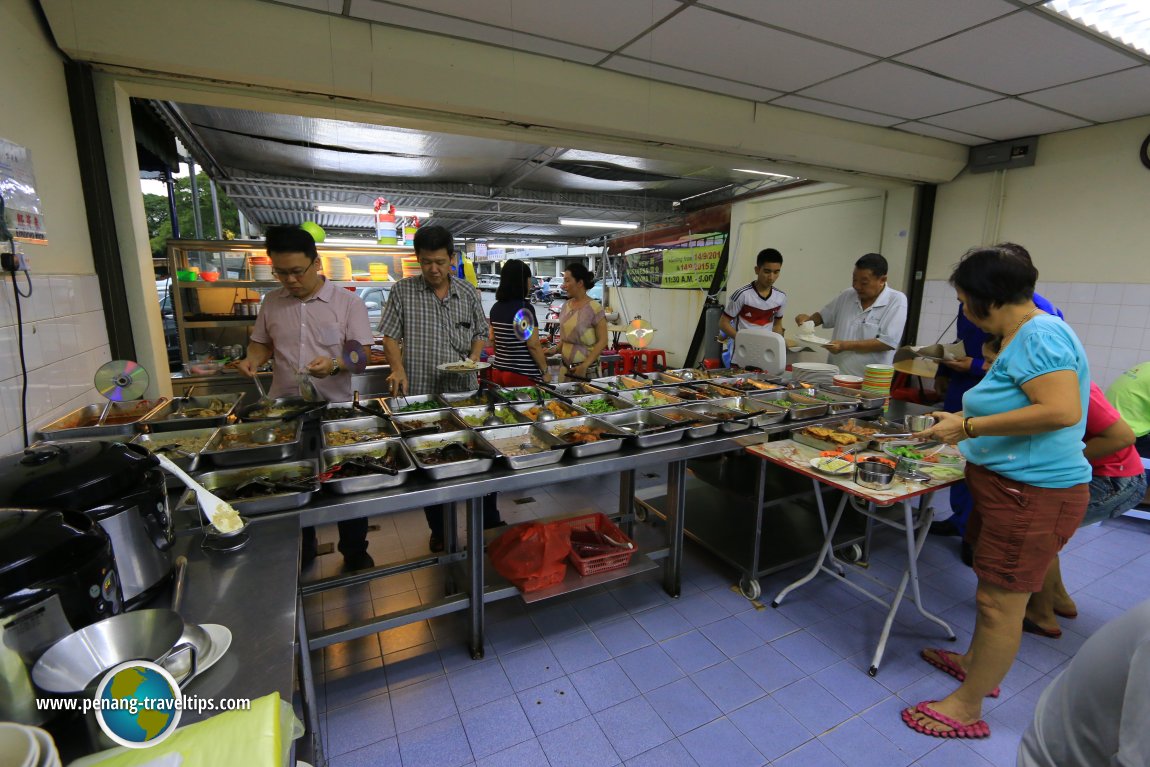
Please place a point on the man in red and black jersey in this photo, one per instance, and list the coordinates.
(759, 303)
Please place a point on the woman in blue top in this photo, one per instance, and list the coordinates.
(1021, 431)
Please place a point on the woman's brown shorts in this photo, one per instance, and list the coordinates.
(1017, 529)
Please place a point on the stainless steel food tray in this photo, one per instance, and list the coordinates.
(478, 414)
(347, 485)
(617, 402)
(724, 415)
(503, 438)
(395, 405)
(224, 478)
(251, 454)
(799, 410)
(567, 406)
(335, 411)
(459, 399)
(706, 429)
(383, 427)
(650, 428)
(456, 468)
(741, 384)
(161, 418)
(587, 448)
(188, 464)
(445, 420)
(616, 383)
(573, 389)
(866, 401)
(765, 413)
(520, 393)
(650, 398)
(81, 422)
(836, 403)
(687, 392)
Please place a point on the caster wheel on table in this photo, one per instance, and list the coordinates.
(750, 588)
(873, 670)
(852, 553)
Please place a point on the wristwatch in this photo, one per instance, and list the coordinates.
(334, 367)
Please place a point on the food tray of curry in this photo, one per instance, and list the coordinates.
(475, 416)
(649, 429)
(761, 413)
(555, 407)
(343, 411)
(355, 431)
(181, 414)
(451, 454)
(584, 435)
(233, 444)
(705, 425)
(431, 422)
(261, 489)
(182, 447)
(729, 420)
(525, 445)
(121, 419)
(650, 398)
(359, 468)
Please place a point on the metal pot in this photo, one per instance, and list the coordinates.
(77, 662)
(873, 475)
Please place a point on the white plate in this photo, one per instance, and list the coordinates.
(459, 367)
(813, 339)
(845, 470)
(221, 637)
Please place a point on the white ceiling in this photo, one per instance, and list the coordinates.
(969, 71)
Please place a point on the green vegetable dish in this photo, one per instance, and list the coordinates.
(501, 413)
(599, 406)
(414, 407)
(528, 393)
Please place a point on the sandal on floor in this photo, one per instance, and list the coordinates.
(1033, 628)
(1067, 615)
(979, 729)
(950, 666)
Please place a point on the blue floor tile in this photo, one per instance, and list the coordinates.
(670, 754)
(530, 667)
(552, 705)
(727, 686)
(578, 744)
(622, 636)
(603, 685)
(578, 651)
(496, 726)
(413, 665)
(700, 609)
(693, 652)
(599, 608)
(770, 728)
(440, 744)
(649, 667)
(731, 636)
(385, 753)
(356, 682)
(811, 754)
(683, 706)
(527, 754)
(769, 624)
(857, 743)
(423, 703)
(854, 687)
(633, 727)
(952, 753)
(663, 622)
(481, 683)
(813, 706)
(720, 744)
(358, 725)
(557, 620)
(513, 634)
(768, 668)
(805, 651)
(638, 595)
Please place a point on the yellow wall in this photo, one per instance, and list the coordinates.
(1083, 209)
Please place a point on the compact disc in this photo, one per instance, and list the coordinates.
(523, 325)
(121, 380)
(640, 333)
(354, 356)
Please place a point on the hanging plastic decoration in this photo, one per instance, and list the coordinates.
(409, 228)
(385, 231)
(315, 230)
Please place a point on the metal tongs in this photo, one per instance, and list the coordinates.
(368, 462)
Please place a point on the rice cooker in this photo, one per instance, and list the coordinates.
(57, 575)
(120, 486)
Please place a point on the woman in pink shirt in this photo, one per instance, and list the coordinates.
(1118, 485)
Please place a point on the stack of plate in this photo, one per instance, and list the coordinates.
(877, 378)
(337, 268)
(848, 382)
(26, 746)
(814, 372)
(410, 266)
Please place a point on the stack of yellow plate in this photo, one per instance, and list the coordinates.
(378, 271)
(337, 267)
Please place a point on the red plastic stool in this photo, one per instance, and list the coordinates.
(610, 365)
(649, 358)
(631, 358)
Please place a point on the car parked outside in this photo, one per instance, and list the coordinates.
(488, 281)
(556, 285)
(374, 297)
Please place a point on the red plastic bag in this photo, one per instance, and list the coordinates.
(532, 556)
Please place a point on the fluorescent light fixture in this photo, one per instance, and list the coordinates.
(601, 224)
(762, 173)
(367, 210)
(363, 241)
(1124, 21)
(515, 246)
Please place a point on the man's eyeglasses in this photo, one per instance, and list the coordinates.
(283, 274)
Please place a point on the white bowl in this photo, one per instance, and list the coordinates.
(18, 746)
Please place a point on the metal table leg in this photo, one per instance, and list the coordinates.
(824, 554)
(627, 501)
(676, 510)
(749, 583)
(475, 558)
(307, 684)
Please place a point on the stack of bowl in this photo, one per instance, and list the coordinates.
(847, 381)
(24, 746)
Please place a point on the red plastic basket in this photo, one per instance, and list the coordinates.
(601, 562)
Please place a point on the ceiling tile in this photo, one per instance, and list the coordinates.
(1019, 53)
(719, 45)
(881, 27)
(945, 134)
(692, 79)
(331, 6)
(602, 24)
(835, 110)
(898, 90)
(1006, 119)
(1110, 97)
(402, 16)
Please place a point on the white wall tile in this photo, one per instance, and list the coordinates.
(88, 291)
(1082, 292)
(1132, 317)
(1057, 292)
(1104, 314)
(64, 298)
(1099, 356)
(1108, 293)
(1146, 340)
(1100, 335)
(1124, 359)
(1136, 295)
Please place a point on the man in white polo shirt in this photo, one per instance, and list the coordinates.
(868, 318)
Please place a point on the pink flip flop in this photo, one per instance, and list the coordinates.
(950, 666)
(979, 729)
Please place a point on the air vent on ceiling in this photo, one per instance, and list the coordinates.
(1016, 153)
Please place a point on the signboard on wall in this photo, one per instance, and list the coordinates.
(674, 268)
(23, 214)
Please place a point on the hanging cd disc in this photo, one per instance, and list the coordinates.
(523, 325)
(354, 356)
(640, 334)
(121, 380)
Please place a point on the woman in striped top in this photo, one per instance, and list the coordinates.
(517, 363)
